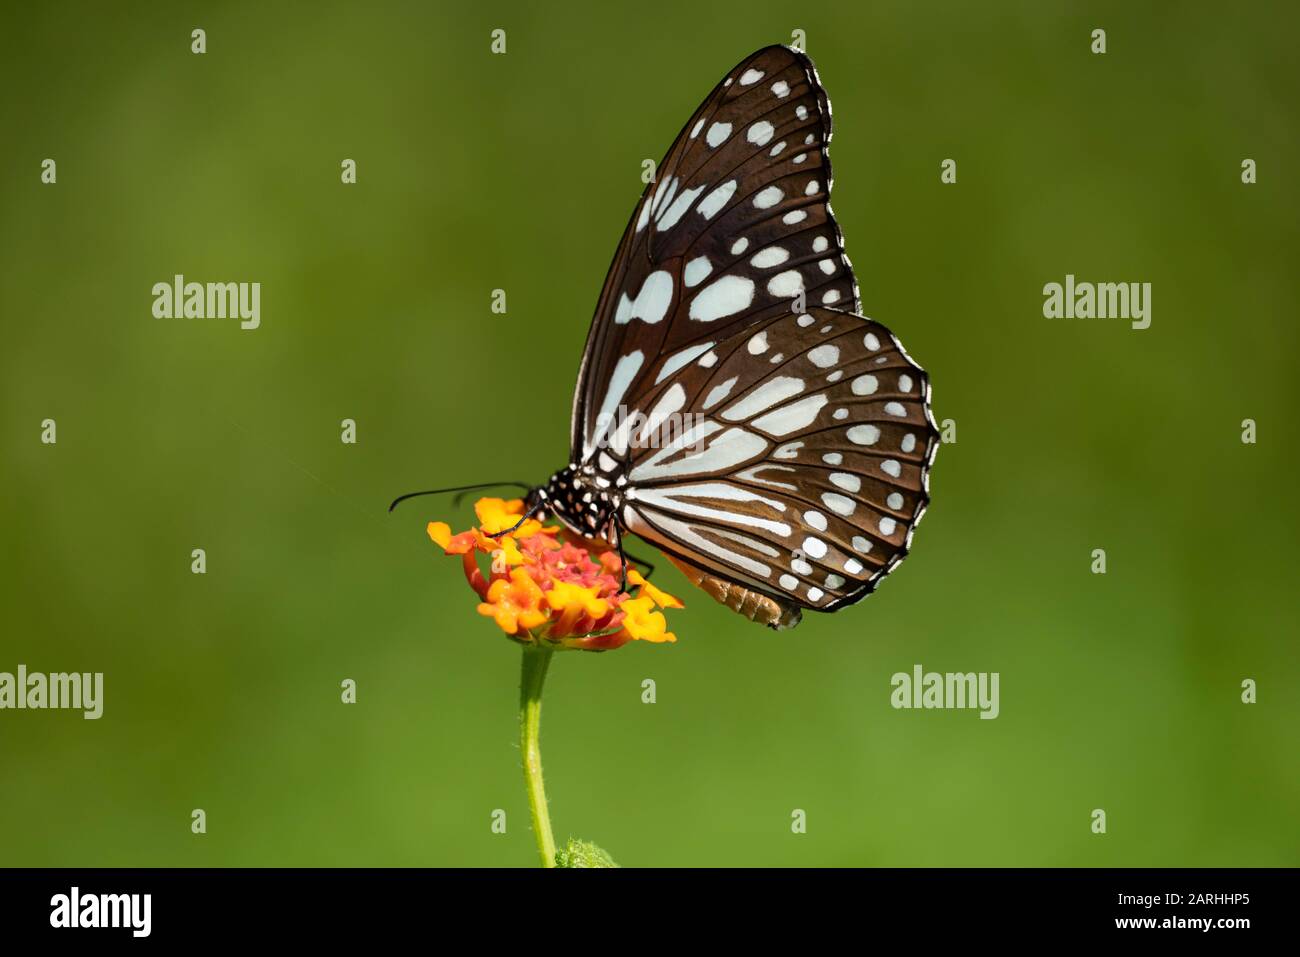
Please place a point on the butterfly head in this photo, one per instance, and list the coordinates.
(583, 501)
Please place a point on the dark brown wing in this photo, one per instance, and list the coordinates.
(793, 456)
(737, 223)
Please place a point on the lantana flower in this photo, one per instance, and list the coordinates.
(550, 590)
(541, 587)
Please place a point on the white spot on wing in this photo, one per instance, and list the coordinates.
(665, 187)
(814, 547)
(816, 520)
(697, 270)
(751, 475)
(651, 303)
(839, 504)
(785, 284)
(769, 257)
(764, 397)
(864, 385)
(670, 403)
(625, 371)
(719, 453)
(710, 205)
(824, 356)
(719, 392)
(792, 417)
(850, 483)
(677, 360)
(725, 296)
(669, 217)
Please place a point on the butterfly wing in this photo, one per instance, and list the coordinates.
(787, 450)
(737, 222)
(793, 457)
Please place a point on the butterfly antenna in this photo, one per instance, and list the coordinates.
(523, 518)
(459, 489)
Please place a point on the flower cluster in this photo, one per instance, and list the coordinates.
(543, 587)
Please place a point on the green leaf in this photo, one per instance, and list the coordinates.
(583, 854)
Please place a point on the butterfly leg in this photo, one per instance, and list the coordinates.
(649, 567)
(624, 557)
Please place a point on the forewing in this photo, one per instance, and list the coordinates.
(793, 456)
(737, 222)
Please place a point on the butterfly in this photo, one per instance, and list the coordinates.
(733, 409)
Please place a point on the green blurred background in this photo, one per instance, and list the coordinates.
(477, 172)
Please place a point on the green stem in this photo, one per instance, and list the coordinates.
(532, 677)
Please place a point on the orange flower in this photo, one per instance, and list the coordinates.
(515, 603)
(543, 587)
(644, 622)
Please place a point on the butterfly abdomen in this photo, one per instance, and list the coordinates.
(750, 604)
